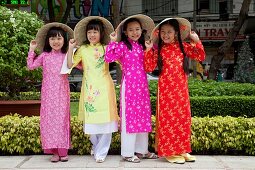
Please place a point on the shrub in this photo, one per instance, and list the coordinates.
(17, 29)
(221, 135)
(212, 88)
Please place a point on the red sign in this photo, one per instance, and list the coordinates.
(215, 31)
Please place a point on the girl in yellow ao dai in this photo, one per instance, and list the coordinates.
(97, 107)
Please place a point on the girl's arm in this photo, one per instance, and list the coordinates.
(114, 52)
(71, 46)
(195, 49)
(34, 62)
(150, 57)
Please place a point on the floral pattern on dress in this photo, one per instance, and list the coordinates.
(90, 99)
(137, 97)
(55, 100)
(173, 124)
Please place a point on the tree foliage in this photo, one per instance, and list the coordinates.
(17, 29)
(245, 69)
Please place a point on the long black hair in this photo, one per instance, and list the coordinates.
(95, 24)
(54, 32)
(124, 38)
(175, 24)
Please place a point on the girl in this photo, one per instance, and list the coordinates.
(173, 107)
(135, 107)
(97, 108)
(55, 97)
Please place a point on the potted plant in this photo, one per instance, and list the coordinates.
(17, 29)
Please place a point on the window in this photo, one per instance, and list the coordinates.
(160, 7)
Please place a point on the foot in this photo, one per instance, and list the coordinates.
(92, 152)
(149, 155)
(54, 158)
(133, 159)
(188, 157)
(100, 160)
(64, 158)
(176, 159)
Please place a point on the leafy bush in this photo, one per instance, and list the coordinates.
(213, 88)
(218, 106)
(17, 29)
(223, 135)
(234, 106)
(220, 135)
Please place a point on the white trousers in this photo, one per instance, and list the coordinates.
(100, 144)
(131, 142)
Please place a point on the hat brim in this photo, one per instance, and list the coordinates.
(80, 29)
(146, 22)
(184, 25)
(42, 33)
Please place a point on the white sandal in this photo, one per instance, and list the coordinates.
(100, 160)
(133, 159)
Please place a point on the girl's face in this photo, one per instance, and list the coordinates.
(134, 31)
(93, 36)
(56, 43)
(167, 33)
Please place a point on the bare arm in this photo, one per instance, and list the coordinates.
(72, 44)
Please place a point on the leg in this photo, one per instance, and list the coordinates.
(94, 140)
(63, 154)
(102, 147)
(127, 139)
(141, 147)
(54, 151)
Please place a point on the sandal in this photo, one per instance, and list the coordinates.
(176, 159)
(149, 155)
(100, 160)
(133, 159)
(64, 158)
(188, 157)
(55, 158)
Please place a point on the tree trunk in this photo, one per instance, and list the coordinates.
(51, 10)
(116, 21)
(69, 4)
(216, 60)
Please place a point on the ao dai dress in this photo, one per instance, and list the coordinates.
(134, 79)
(173, 105)
(55, 100)
(97, 106)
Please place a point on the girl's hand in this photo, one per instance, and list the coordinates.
(194, 37)
(148, 45)
(72, 43)
(113, 36)
(33, 45)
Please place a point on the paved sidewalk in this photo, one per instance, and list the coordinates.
(114, 162)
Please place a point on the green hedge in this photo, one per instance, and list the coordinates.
(213, 88)
(234, 106)
(221, 135)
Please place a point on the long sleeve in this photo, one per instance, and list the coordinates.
(196, 51)
(150, 60)
(114, 52)
(32, 62)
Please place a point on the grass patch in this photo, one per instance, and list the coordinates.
(74, 108)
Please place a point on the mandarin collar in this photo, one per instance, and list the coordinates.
(95, 45)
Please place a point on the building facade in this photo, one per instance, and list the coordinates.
(213, 18)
